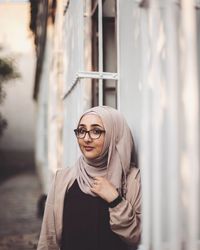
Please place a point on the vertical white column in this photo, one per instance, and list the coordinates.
(145, 147)
(118, 54)
(156, 37)
(58, 39)
(87, 98)
(191, 120)
(173, 125)
(100, 39)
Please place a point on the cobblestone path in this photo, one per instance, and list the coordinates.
(19, 225)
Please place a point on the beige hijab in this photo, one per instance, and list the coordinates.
(117, 156)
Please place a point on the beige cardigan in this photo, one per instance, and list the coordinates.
(125, 218)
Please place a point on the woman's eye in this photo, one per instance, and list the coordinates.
(96, 131)
(81, 131)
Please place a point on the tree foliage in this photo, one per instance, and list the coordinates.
(8, 71)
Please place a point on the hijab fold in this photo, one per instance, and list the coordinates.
(117, 156)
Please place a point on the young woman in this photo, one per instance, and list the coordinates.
(96, 204)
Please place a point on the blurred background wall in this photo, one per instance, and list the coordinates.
(17, 142)
(19, 185)
(19, 106)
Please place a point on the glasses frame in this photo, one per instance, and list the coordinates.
(88, 132)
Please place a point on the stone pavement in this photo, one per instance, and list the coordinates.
(19, 225)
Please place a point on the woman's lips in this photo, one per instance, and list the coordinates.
(88, 148)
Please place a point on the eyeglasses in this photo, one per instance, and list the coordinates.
(94, 133)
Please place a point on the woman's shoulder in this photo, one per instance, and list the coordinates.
(66, 173)
(64, 178)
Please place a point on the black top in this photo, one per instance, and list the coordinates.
(86, 223)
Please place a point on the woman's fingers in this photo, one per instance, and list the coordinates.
(103, 188)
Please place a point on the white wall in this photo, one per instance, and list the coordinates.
(129, 64)
(78, 100)
(18, 107)
(158, 94)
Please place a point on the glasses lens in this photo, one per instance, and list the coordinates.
(80, 133)
(95, 133)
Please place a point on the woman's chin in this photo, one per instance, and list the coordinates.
(90, 155)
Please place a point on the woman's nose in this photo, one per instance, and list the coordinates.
(87, 137)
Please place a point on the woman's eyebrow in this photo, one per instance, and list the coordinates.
(81, 125)
(95, 125)
(92, 125)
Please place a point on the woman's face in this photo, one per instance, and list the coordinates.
(91, 148)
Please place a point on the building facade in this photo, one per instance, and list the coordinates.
(141, 57)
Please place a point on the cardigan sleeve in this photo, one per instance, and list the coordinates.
(125, 218)
(47, 239)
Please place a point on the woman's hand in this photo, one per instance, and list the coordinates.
(103, 188)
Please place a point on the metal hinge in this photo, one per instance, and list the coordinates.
(91, 75)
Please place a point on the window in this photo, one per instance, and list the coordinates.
(104, 52)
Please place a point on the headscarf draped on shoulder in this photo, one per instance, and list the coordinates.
(118, 154)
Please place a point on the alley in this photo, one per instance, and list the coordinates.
(19, 225)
